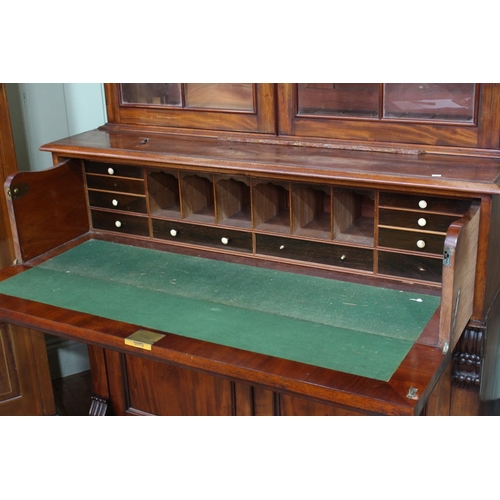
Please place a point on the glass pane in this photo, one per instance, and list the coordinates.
(430, 101)
(339, 99)
(227, 96)
(166, 94)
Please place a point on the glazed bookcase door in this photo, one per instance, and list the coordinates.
(236, 107)
(421, 115)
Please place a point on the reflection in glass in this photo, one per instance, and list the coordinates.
(227, 96)
(430, 101)
(221, 96)
(339, 99)
(166, 94)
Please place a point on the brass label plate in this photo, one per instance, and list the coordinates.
(143, 339)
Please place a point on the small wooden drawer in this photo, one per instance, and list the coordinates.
(321, 253)
(115, 184)
(410, 266)
(425, 203)
(411, 240)
(120, 223)
(415, 220)
(195, 234)
(114, 170)
(118, 201)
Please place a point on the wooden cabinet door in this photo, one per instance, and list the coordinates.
(25, 385)
(216, 107)
(396, 114)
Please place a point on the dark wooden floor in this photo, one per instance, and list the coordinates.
(72, 394)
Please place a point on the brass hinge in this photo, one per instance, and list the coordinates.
(412, 393)
(17, 191)
(447, 257)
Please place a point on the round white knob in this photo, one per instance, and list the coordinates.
(118, 223)
(342, 257)
(111, 171)
(114, 203)
(282, 247)
(422, 222)
(224, 240)
(422, 204)
(173, 232)
(421, 244)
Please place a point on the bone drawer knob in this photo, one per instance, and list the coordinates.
(114, 203)
(111, 171)
(173, 233)
(422, 222)
(421, 244)
(118, 223)
(282, 247)
(422, 204)
(224, 240)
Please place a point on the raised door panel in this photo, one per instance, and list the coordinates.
(60, 192)
(25, 386)
(9, 380)
(153, 388)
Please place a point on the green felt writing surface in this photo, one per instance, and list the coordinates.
(354, 328)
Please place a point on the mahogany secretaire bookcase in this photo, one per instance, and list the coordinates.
(271, 249)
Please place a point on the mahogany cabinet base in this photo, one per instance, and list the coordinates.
(447, 399)
(139, 386)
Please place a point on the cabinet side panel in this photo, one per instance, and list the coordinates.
(46, 208)
(493, 262)
(459, 277)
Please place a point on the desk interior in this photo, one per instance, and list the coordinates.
(349, 327)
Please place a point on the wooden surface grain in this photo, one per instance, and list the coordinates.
(425, 173)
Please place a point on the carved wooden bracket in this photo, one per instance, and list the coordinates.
(467, 360)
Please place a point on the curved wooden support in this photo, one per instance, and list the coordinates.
(46, 208)
(459, 273)
(467, 360)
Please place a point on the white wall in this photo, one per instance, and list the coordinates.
(45, 112)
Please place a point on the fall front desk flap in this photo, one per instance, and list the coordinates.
(354, 328)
